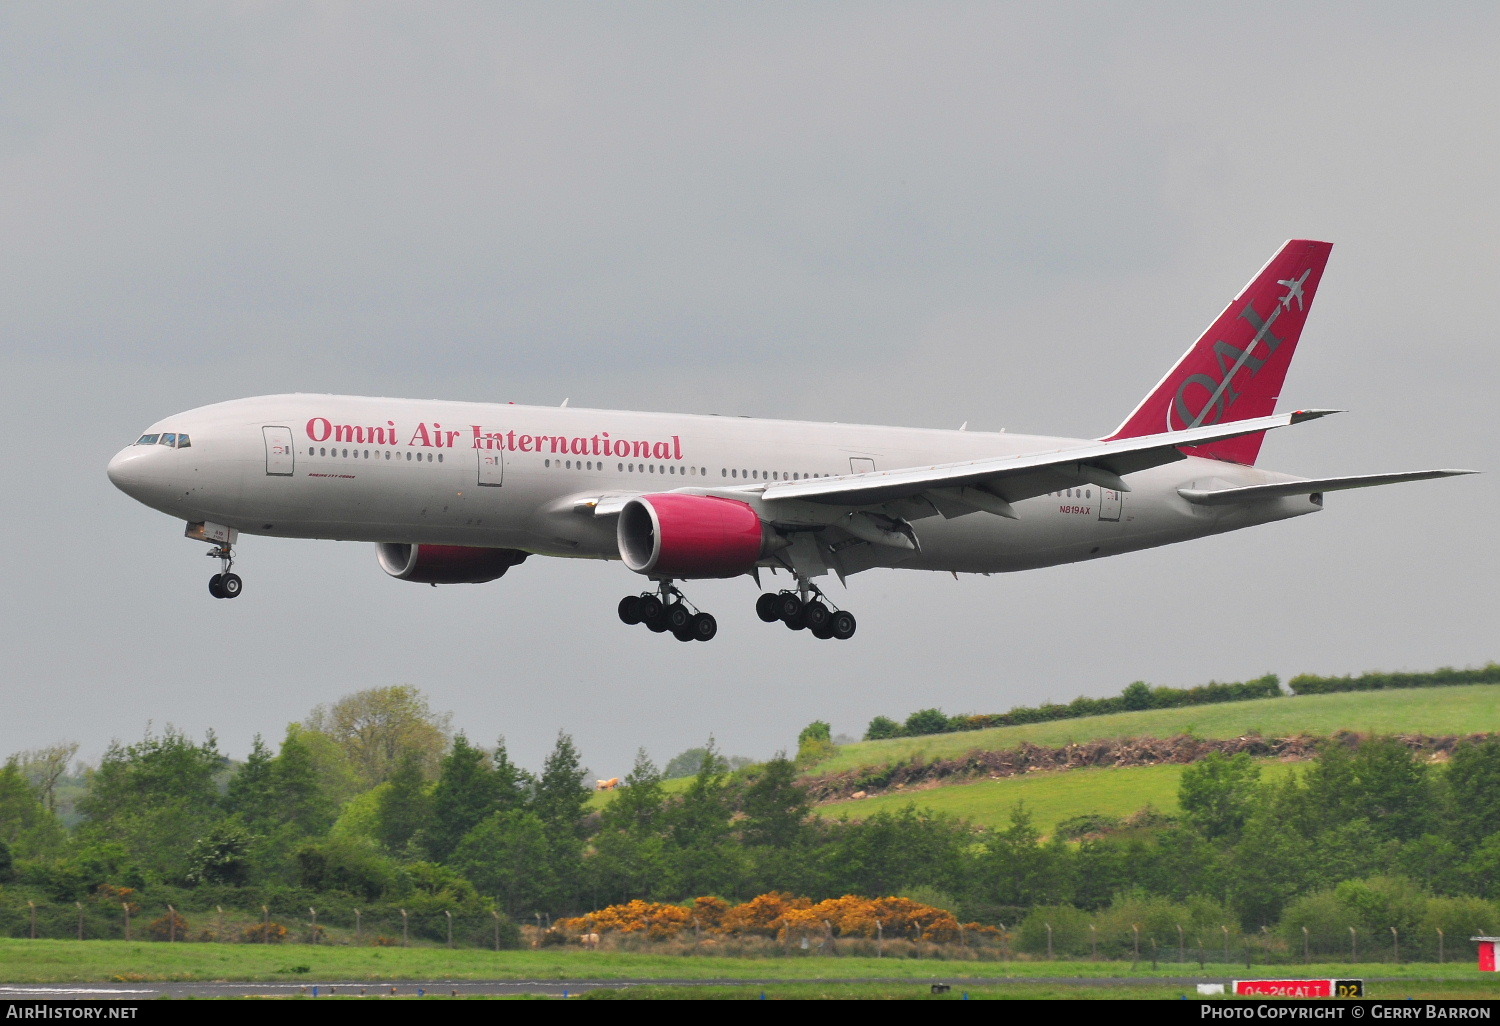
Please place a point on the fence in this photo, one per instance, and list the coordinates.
(90, 920)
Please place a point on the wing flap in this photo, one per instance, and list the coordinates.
(1259, 493)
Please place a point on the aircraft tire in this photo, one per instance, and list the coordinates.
(788, 608)
(704, 627)
(678, 617)
(685, 634)
(841, 625)
(213, 586)
(815, 615)
(630, 609)
(650, 610)
(765, 607)
(824, 632)
(231, 585)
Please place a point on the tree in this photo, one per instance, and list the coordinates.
(466, 792)
(150, 797)
(159, 771)
(251, 793)
(626, 858)
(638, 802)
(1018, 869)
(1393, 790)
(1217, 793)
(222, 856)
(1472, 791)
(310, 778)
(513, 785)
(882, 727)
(25, 823)
(373, 727)
(512, 856)
(926, 721)
(404, 806)
(560, 795)
(774, 805)
(815, 743)
(45, 766)
(698, 831)
(687, 764)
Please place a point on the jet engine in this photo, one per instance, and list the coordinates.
(445, 564)
(672, 535)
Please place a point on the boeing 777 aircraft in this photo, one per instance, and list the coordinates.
(455, 493)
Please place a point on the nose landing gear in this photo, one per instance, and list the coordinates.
(224, 584)
(807, 609)
(669, 611)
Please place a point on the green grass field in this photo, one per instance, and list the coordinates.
(1049, 797)
(1451, 710)
(59, 961)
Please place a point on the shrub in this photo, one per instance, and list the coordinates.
(1070, 931)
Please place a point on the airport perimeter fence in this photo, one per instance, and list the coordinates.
(1032, 941)
(87, 920)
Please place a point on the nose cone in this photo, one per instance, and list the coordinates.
(137, 472)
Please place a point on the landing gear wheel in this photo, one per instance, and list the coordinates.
(230, 585)
(765, 607)
(213, 586)
(841, 625)
(815, 616)
(788, 609)
(685, 634)
(649, 606)
(678, 616)
(630, 609)
(824, 632)
(703, 627)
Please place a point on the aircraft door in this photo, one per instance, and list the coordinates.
(861, 465)
(1110, 503)
(491, 467)
(281, 455)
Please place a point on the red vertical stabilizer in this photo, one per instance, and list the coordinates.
(1235, 371)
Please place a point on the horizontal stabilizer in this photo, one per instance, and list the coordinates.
(1258, 493)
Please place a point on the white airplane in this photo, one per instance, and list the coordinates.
(455, 492)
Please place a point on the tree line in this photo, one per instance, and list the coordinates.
(1140, 695)
(377, 804)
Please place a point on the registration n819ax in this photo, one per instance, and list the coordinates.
(455, 493)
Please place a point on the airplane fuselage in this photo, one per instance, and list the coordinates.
(522, 477)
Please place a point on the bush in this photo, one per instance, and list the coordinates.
(1310, 684)
(926, 721)
(1070, 931)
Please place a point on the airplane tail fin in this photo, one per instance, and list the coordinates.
(1236, 369)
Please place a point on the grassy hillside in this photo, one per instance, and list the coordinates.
(1049, 797)
(1453, 710)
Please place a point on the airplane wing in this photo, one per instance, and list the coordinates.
(1254, 493)
(993, 484)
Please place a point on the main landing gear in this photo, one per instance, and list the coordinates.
(669, 611)
(225, 584)
(807, 609)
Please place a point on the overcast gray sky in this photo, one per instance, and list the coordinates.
(1015, 215)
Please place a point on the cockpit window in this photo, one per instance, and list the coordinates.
(147, 440)
(168, 439)
(182, 442)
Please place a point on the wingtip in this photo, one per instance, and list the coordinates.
(1304, 415)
